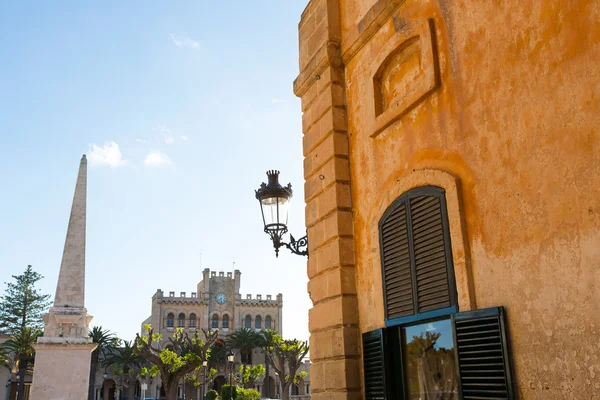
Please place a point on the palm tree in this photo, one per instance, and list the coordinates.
(20, 346)
(127, 364)
(244, 340)
(105, 340)
(266, 341)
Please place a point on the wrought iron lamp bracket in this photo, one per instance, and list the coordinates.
(298, 247)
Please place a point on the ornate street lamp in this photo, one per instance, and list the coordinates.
(204, 365)
(274, 202)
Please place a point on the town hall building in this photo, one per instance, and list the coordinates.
(216, 303)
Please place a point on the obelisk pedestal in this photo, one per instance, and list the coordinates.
(63, 354)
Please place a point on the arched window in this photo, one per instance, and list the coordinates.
(416, 254)
(268, 322)
(192, 323)
(248, 322)
(170, 320)
(225, 323)
(215, 321)
(181, 320)
(258, 322)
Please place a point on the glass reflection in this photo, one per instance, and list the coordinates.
(429, 358)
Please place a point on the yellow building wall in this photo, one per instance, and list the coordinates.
(497, 102)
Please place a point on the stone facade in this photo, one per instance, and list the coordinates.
(494, 102)
(216, 303)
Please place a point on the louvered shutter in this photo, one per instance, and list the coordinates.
(416, 254)
(374, 365)
(396, 264)
(483, 355)
(430, 252)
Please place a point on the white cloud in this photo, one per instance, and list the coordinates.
(184, 41)
(169, 139)
(277, 100)
(184, 138)
(157, 159)
(140, 140)
(109, 154)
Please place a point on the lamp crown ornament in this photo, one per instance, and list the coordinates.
(273, 188)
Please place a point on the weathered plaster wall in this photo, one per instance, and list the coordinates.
(513, 113)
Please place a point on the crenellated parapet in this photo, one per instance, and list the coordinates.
(260, 301)
(177, 298)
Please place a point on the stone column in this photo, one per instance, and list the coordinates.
(333, 320)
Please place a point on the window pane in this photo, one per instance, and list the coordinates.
(429, 358)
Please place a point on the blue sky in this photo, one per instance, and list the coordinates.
(181, 110)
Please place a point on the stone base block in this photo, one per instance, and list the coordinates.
(62, 370)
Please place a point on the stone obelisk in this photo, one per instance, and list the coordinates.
(63, 354)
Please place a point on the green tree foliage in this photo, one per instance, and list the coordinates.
(106, 341)
(287, 355)
(22, 305)
(247, 394)
(181, 357)
(229, 392)
(218, 353)
(245, 340)
(250, 374)
(20, 347)
(212, 395)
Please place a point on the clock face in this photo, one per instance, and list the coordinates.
(221, 298)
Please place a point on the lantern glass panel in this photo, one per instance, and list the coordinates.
(275, 211)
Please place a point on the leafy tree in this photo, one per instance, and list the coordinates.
(20, 346)
(250, 374)
(126, 364)
(22, 305)
(212, 395)
(106, 341)
(245, 340)
(247, 394)
(228, 392)
(218, 353)
(287, 353)
(182, 356)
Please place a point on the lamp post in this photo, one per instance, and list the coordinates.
(230, 357)
(18, 396)
(277, 384)
(274, 202)
(204, 365)
(144, 388)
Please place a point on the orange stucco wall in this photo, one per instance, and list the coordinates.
(514, 115)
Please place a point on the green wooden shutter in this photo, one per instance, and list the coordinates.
(396, 264)
(483, 354)
(431, 253)
(416, 254)
(374, 365)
